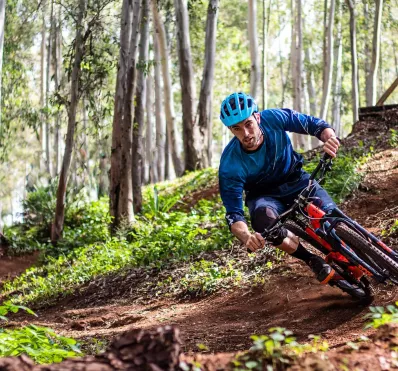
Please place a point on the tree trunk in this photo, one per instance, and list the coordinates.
(57, 227)
(168, 96)
(150, 151)
(2, 28)
(365, 28)
(48, 77)
(42, 89)
(354, 61)
(57, 58)
(338, 50)
(160, 123)
(299, 141)
(253, 45)
(266, 20)
(375, 53)
(189, 126)
(116, 202)
(206, 90)
(139, 110)
(310, 82)
(328, 64)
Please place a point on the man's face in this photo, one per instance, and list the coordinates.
(248, 133)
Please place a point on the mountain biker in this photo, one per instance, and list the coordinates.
(260, 160)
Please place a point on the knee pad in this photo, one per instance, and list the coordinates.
(264, 217)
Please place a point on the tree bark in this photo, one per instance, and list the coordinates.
(206, 90)
(57, 58)
(168, 97)
(160, 123)
(266, 20)
(338, 51)
(328, 64)
(48, 77)
(253, 45)
(42, 160)
(126, 163)
(57, 227)
(2, 28)
(150, 151)
(139, 111)
(354, 61)
(365, 28)
(190, 128)
(116, 207)
(299, 141)
(375, 53)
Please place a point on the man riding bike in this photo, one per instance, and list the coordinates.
(260, 160)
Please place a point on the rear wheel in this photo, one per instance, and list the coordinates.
(378, 259)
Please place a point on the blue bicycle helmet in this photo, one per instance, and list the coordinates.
(236, 108)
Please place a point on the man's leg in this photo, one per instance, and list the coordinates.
(263, 212)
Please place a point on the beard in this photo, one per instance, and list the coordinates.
(251, 142)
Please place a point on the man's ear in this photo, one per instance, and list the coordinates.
(257, 116)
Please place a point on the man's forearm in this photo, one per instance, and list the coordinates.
(327, 134)
(241, 231)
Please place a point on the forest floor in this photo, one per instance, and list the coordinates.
(290, 297)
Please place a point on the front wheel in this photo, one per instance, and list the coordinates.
(358, 290)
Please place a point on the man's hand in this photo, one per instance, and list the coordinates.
(255, 242)
(331, 146)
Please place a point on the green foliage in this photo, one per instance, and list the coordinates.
(344, 178)
(153, 240)
(393, 141)
(41, 344)
(205, 277)
(8, 307)
(276, 348)
(381, 316)
(393, 229)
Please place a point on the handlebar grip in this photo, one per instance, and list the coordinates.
(326, 157)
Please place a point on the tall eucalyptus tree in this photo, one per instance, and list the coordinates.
(206, 90)
(139, 108)
(253, 46)
(190, 128)
(371, 86)
(354, 60)
(328, 62)
(57, 226)
(160, 34)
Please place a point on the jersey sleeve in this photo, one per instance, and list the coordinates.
(301, 123)
(231, 191)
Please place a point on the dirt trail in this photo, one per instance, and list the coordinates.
(12, 266)
(290, 298)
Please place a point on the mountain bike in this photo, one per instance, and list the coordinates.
(356, 255)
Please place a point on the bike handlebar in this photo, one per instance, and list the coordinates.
(321, 164)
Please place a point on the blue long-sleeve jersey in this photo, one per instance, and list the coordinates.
(266, 170)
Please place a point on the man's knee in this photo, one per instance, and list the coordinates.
(264, 218)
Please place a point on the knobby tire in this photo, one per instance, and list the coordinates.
(364, 295)
(362, 246)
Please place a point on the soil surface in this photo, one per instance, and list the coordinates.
(291, 297)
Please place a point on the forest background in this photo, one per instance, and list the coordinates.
(101, 97)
